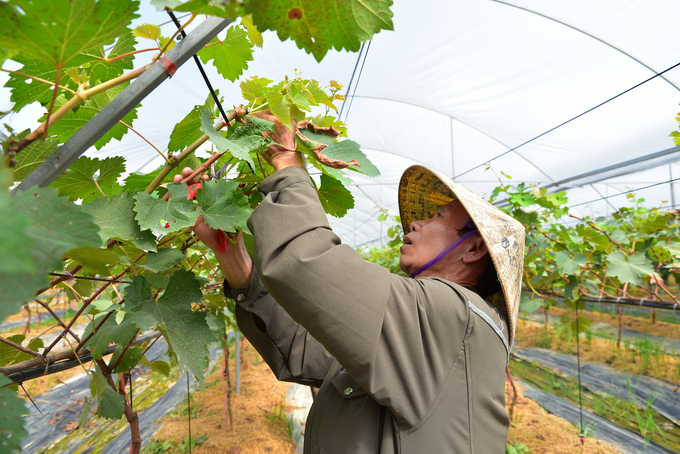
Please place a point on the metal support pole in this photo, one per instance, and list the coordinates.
(237, 363)
(67, 154)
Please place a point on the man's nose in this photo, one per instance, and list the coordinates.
(416, 225)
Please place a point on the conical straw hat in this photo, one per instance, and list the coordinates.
(423, 190)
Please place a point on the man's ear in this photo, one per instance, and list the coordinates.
(475, 249)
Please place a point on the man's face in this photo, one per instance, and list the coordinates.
(429, 237)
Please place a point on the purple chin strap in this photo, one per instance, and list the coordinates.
(446, 251)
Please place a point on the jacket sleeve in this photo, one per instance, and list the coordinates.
(289, 350)
(399, 338)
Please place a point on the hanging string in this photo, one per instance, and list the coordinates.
(568, 121)
(88, 278)
(200, 68)
(351, 79)
(581, 434)
(29, 398)
(625, 192)
(189, 409)
(357, 82)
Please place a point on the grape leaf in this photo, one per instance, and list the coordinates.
(254, 88)
(12, 411)
(102, 71)
(165, 258)
(222, 207)
(163, 217)
(111, 333)
(10, 355)
(186, 331)
(230, 56)
(335, 198)
(345, 150)
(219, 8)
(55, 31)
(568, 265)
(32, 156)
(222, 143)
(73, 121)
(322, 25)
(116, 219)
(97, 260)
(188, 130)
(26, 90)
(148, 31)
(130, 359)
(78, 182)
(110, 405)
(162, 4)
(85, 412)
(279, 105)
(530, 305)
(253, 33)
(31, 216)
(628, 269)
(161, 367)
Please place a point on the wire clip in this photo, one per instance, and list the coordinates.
(168, 65)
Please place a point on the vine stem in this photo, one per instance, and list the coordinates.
(54, 98)
(597, 229)
(237, 113)
(38, 79)
(177, 32)
(144, 139)
(80, 97)
(111, 60)
(202, 168)
(19, 347)
(59, 320)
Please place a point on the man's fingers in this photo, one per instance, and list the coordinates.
(187, 171)
(177, 179)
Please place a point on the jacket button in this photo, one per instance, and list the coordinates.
(240, 297)
(348, 391)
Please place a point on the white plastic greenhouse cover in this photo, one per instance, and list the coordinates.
(460, 82)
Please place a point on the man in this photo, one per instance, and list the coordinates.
(405, 365)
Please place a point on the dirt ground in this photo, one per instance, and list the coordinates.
(259, 429)
(627, 321)
(650, 363)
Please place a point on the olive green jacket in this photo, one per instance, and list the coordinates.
(404, 365)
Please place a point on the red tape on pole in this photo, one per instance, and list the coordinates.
(168, 65)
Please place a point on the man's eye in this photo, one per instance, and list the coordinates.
(440, 215)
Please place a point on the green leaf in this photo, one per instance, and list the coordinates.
(12, 411)
(568, 265)
(188, 130)
(162, 4)
(148, 31)
(186, 331)
(279, 105)
(97, 384)
(79, 182)
(335, 198)
(164, 259)
(36, 246)
(85, 412)
(345, 150)
(111, 405)
(222, 207)
(25, 91)
(116, 219)
(222, 143)
(55, 31)
(253, 33)
(219, 8)
(155, 214)
(529, 304)
(111, 333)
(32, 156)
(130, 359)
(101, 71)
(97, 260)
(231, 56)
(628, 269)
(74, 120)
(161, 367)
(254, 88)
(322, 25)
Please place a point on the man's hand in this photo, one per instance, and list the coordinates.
(281, 154)
(235, 262)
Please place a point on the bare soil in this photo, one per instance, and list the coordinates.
(627, 321)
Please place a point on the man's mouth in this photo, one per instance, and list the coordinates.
(407, 240)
